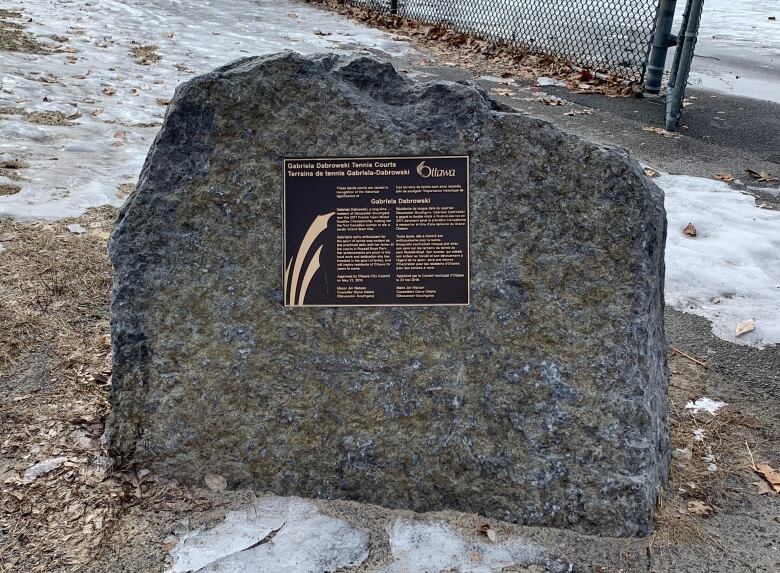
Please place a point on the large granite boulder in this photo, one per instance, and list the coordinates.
(542, 402)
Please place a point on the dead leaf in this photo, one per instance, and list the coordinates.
(662, 131)
(770, 474)
(650, 172)
(501, 92)
(727, 177)
(761, 175)
(552, 100)
(689, 230)
(489, 532)
(698, 508)
(109, 91)
(746, 326)
(163, 101)
(215, 482)
(763, 488)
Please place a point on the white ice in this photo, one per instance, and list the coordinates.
(424, 547)
(309, 541)
(73, 168)
(730, 271)
(704, 404)
(306, 541)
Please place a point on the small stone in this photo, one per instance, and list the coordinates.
(44, 467)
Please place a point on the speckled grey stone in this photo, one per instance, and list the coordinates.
(544, 402)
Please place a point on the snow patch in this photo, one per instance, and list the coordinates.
(76, 229)
(704, 405)
(114, 104)
(44, 467)
(433, 547)
(730, 271)
(273, 534)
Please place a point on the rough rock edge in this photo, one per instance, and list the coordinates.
(384, 76)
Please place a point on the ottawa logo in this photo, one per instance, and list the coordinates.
(424, 171)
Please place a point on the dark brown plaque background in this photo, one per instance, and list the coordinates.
(376, 231)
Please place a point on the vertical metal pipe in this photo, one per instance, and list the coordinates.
(394, 6)
(662, 39)
(676, 62)
(675, 98)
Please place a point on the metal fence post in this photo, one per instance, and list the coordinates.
(662, 40)
(676, 92)
(394, 6)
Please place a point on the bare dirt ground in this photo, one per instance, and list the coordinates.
(85, 515)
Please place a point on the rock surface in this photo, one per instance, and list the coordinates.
(543, 402)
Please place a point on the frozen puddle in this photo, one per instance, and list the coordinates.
(422, 547)
(109, 105)
(291, 534)
(730, 271)
(272, 535)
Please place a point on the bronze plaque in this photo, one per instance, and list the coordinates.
(376, 231)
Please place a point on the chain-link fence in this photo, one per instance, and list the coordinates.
(610, 35)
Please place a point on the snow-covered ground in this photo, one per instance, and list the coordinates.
(117, 104)
(307, 541)
(729, 273)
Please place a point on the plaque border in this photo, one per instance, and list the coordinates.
(424, 157)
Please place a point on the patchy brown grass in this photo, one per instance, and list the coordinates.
(9, 189)
(12, 169)
(41, 117)
(54, 367)
(14, 38)
(146, 55)
(699, 440)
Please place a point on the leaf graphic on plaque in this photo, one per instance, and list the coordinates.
(297, 297)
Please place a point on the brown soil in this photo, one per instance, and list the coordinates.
(12, 169)
(146, 55)
(6, 189)
(13, 37)
(41, 117)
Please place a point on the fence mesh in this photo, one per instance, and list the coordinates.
(611, 35)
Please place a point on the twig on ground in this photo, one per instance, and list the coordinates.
(689, 357)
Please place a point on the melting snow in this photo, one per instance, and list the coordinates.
(730, 271)
(705, 405)
(433, 547)
(117, 104)
(305, 541)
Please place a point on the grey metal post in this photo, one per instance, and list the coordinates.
(674, 99)
(394, 6)
(676, 62)
(662, 40)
